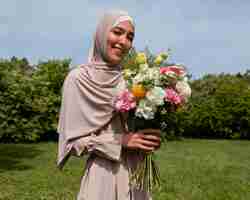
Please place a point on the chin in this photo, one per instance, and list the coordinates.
(115, 61)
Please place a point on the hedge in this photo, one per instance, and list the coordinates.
(30, 98)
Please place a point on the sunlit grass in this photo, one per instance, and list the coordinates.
(190, 170)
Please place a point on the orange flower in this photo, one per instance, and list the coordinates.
(138, 91)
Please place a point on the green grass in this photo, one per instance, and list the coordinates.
(190, 170)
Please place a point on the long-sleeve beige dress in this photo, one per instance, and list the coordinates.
(107, 170)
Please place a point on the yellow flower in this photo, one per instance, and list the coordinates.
(138, 91)
(141, 58)
(127, 73)
(160, 58)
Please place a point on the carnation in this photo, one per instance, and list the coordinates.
(125, 102)
(172, 96)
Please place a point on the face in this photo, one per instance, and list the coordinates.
(119, 41)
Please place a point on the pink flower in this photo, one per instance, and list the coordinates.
(125, 101)
(172, 96)
(178, 70)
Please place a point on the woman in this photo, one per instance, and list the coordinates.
(88, 123)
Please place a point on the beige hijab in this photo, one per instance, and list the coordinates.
(89, 89)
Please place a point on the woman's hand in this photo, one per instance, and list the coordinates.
(146, 140)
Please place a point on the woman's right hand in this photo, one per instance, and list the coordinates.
(146, 140)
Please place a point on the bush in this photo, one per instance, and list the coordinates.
(219, 108)
(30, 99)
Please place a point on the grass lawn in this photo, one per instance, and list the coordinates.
(190, 170)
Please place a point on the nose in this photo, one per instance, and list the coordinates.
(123, 41)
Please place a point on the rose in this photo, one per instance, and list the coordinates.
(175, 70)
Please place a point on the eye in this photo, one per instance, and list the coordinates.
(117, 32)
(130, 38)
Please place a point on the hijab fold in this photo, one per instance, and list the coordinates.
(89, 90)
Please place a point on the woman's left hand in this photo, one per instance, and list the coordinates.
(152, 135)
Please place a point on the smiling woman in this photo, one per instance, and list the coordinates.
(90, 125)
(119, 41)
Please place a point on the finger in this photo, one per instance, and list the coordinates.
(149, 143)
(151, 131)
(146, 148)
(152, 137)
(139, 135)
(158, 147)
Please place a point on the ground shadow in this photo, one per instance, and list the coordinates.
(12, 156)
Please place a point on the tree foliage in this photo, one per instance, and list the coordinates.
(219, 107)
(30, 98)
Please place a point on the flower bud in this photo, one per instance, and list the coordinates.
(164, 56)
(160, 58)
(141, 58)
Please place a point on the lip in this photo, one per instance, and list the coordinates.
(118, 50)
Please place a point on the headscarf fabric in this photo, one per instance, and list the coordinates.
(89, 89)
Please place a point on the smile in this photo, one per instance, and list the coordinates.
(118, 50)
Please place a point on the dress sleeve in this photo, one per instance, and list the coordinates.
(106, 143)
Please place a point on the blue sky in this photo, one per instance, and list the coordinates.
(207, 36)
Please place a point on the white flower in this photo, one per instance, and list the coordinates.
(153, 73)
(185, 79)
(143, 68)
(145, 109)
(156, 96)
(157, 76)
(139, 78)
(183, 89)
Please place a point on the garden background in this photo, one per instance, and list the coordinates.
(205, 157)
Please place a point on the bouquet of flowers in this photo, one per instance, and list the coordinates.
(152, 91)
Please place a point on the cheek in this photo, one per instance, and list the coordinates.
(108, 47)
(111, 39)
